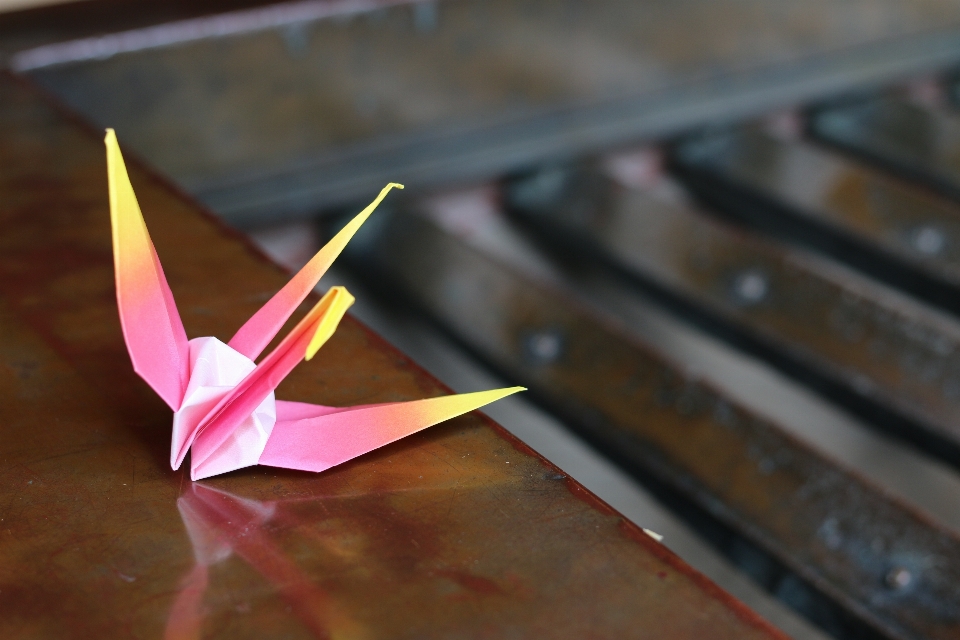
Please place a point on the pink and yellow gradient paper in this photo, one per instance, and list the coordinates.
(224, 407)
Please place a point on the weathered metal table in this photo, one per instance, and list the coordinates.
(460, 531)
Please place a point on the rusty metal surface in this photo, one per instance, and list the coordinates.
(281, 122)
(460, 531)
(917, 141)
(822, 539)
(816, 319)
(890, 228)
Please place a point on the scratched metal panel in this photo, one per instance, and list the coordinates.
(826, 541)
(460, 531)
(919, 142)
(820, 321)
(276, 122)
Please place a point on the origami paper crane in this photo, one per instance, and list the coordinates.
(224, 407)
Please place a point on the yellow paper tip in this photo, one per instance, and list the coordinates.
(332, 306)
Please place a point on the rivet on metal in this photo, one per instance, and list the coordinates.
(831, 534)
(750, 287)
(928, 240)
(544, 346)
(898, 578)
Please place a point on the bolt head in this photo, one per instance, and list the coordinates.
(929, 241)
(898, 578)
(750, 287)
(544, 346)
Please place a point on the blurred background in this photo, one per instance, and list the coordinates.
(718, 240)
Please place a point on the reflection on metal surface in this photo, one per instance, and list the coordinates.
(917, 141)
(820, 538)
(221, 524)
(893, 230)
(297, 113)
(823, 323)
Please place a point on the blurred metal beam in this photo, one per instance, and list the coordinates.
(281, 122)
(893, 230)
(827, 542)
(921, 143)
(891, 357)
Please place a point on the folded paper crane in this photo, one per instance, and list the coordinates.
(224, 406)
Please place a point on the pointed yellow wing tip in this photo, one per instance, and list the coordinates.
(340, 300)
(110, 140)
(483, 398)
(499, 394)
(345, 292)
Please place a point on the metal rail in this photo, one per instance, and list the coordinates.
(921, 143)
(807, 194)
(275, 113)
(895, 360)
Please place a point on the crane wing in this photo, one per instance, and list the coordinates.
(254, 336)
(152, 328)
(334, 437)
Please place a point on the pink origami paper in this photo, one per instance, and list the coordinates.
(223, 403)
